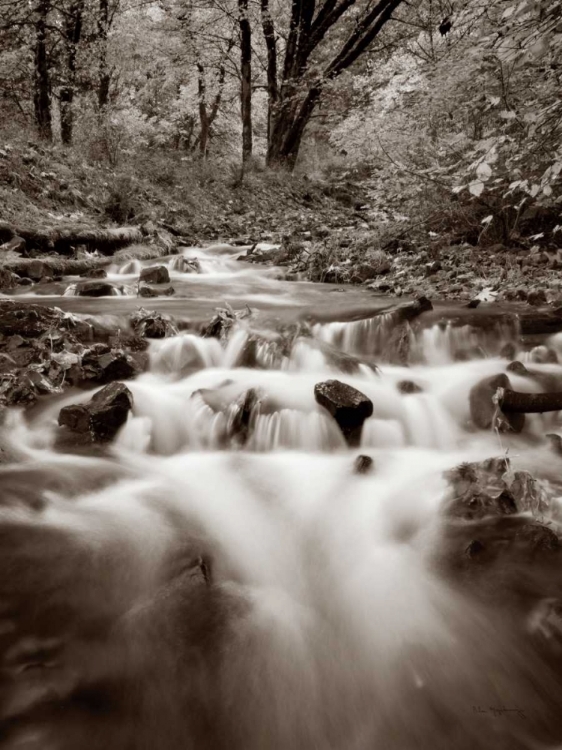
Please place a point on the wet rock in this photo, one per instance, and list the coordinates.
(152, 325)
(363, 465)
(95, 289)
(14, 245)
(8, 280)
(485, 413)
(104, 365)
(37, 270)
(27, 320)
(543, 355)
(508, 351)
(220, 325)
(242, 416)
(103, 416)
(94, 273)
(408, 386)
(473, 303)
(151, 292)
(537, 297)
(155, 275)
(518, 368)
(349, 407)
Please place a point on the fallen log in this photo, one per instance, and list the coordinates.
(33, 268)
(516, 402)
(63, 241)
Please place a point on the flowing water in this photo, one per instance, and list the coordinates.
(193, 589)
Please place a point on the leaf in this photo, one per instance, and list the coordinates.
(476, 187)
(508, 114)
(547, 190)
(484, 171)
(487, 220)
(494, 100)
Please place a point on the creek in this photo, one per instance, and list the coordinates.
(190, 590)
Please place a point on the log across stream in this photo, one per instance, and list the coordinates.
(287, 530)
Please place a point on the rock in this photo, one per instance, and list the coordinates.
(242, 416)
(349, 407)
(519, 369)
(543, 355)
(94, 273)
(537, 297)
(220, 325)
(152, 325)
(155, 275)
(27, 320)
(7, 232)
(485, 413)
(376, 264)
(408, 386)
(363, 465)
(95, 289)
(8, 280)
(151, 292)
(15, 245)
(473, 303)
(102, 416)
(104, 365)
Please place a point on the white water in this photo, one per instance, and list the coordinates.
(200, 595)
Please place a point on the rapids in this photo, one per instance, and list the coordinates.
(184, 591)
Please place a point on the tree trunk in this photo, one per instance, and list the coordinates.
(104, 79)
(246, 73)
(42, 94)
(73, 34)
(529, 403)
(203, 116)
(298, 96)
(271, 46)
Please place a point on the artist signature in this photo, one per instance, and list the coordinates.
(499, 711)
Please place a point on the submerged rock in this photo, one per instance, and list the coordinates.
(149, 291)
(95, 289)
(103, 416)
(408, 386)
(485, 413)
(349, 407)
(155, 275)
(363, 465)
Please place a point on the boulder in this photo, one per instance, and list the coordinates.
(95, 289)
(349, 407)
(155, 275)
(152, 325)
(102, 416)
(485, 413)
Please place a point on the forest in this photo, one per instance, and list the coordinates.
(440, 120)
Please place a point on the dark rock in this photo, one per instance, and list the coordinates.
(349, 407)
(242, 416)
(37, 270)
(27, 320)
(155, 275)
(485, 412)
(474, 549)
(537, 297)
(473, 303)
(25, 282)
(408, 386)
(220, 325)
(94, 289)
(7, 232)
(152, 325)
(151, 292)
(104, 365)
(363, 465)
(102, 416)
(518, 368)
(95, 273)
